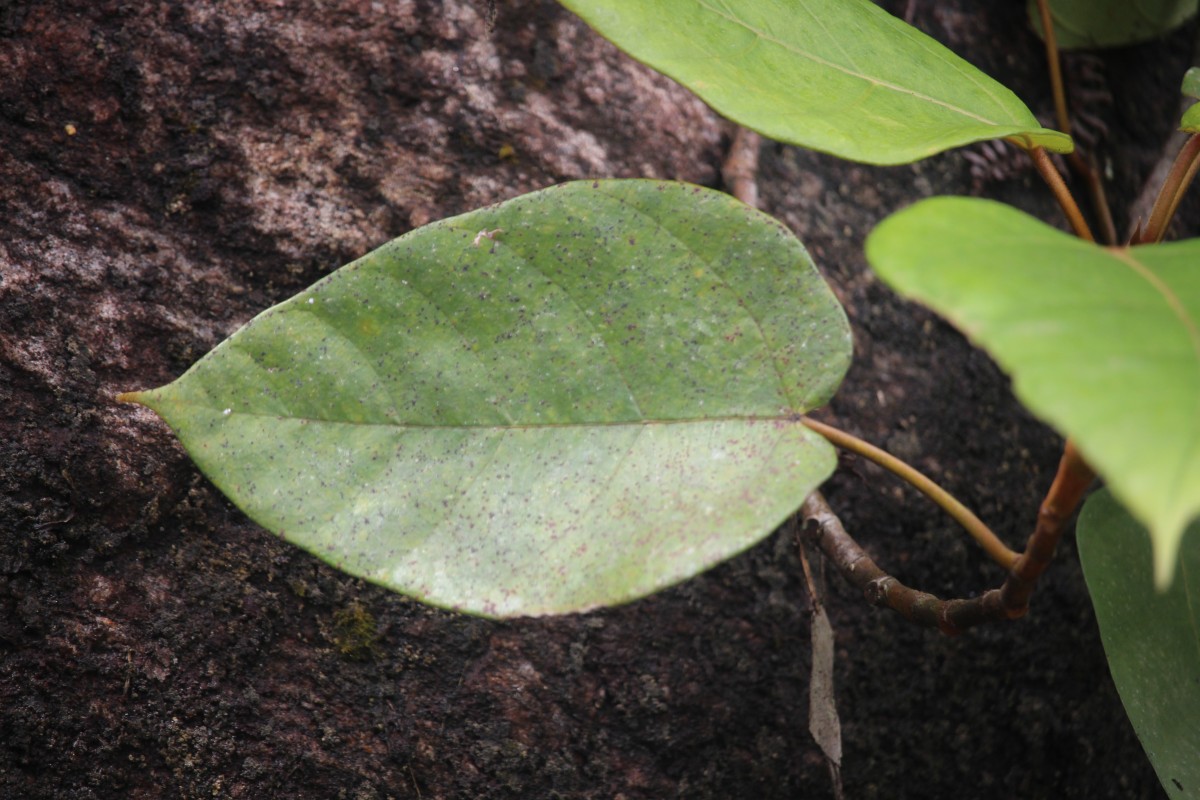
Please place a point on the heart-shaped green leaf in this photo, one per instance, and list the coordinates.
(1152, 639)
(840, 76)
(1082, 24)
(1102, 343)
(568, 400)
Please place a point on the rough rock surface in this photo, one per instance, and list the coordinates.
(169, 169)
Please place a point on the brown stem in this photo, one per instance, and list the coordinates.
(1049, 173)
(1086, 171)
(1055, 65)
(1066, 493)
(1140, 210)
(813, 595)
(740, 170)
(951, 617)
(1080, 165)
(1172, 191)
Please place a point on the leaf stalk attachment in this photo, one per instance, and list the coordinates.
(980, 532)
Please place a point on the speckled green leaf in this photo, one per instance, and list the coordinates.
(568, 400)
(1082, 24)
(1102, 343)
(840, 76)
(1152, 639)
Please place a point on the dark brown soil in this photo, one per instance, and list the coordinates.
(169, 169)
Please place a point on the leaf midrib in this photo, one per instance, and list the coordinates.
(789, 417)
(854, 73)
(1175, 304)
(1126, 257)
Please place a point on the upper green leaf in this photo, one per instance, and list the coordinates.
(841, 76)
(1191, 83)
(1082, 24)
(567, 400)
(1152, 639)
(1102, 343)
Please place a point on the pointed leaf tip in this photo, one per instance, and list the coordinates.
(1166, 541)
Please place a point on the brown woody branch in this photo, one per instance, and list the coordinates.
(1180, 176)
(1066, 493)
(822, 527)
(740, 170)
(1011, 601)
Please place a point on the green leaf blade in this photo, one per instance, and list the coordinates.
(1084, 24)
(1152, 639)
(597, 401)
(1190, 123)
(1190, 87)
(1100, 343)
(840, 76)
(506, 522)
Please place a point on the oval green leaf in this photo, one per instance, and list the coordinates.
(840, 76)
(1101, 343)
(568, 400)
(1152, 639)
(1085, 24)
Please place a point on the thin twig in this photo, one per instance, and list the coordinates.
(980, 532)
(809, 583)
(1054, 62)
(1049, 173)
(1080, 165)
(1086, 171)
(740, 170)
(1183, 170)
